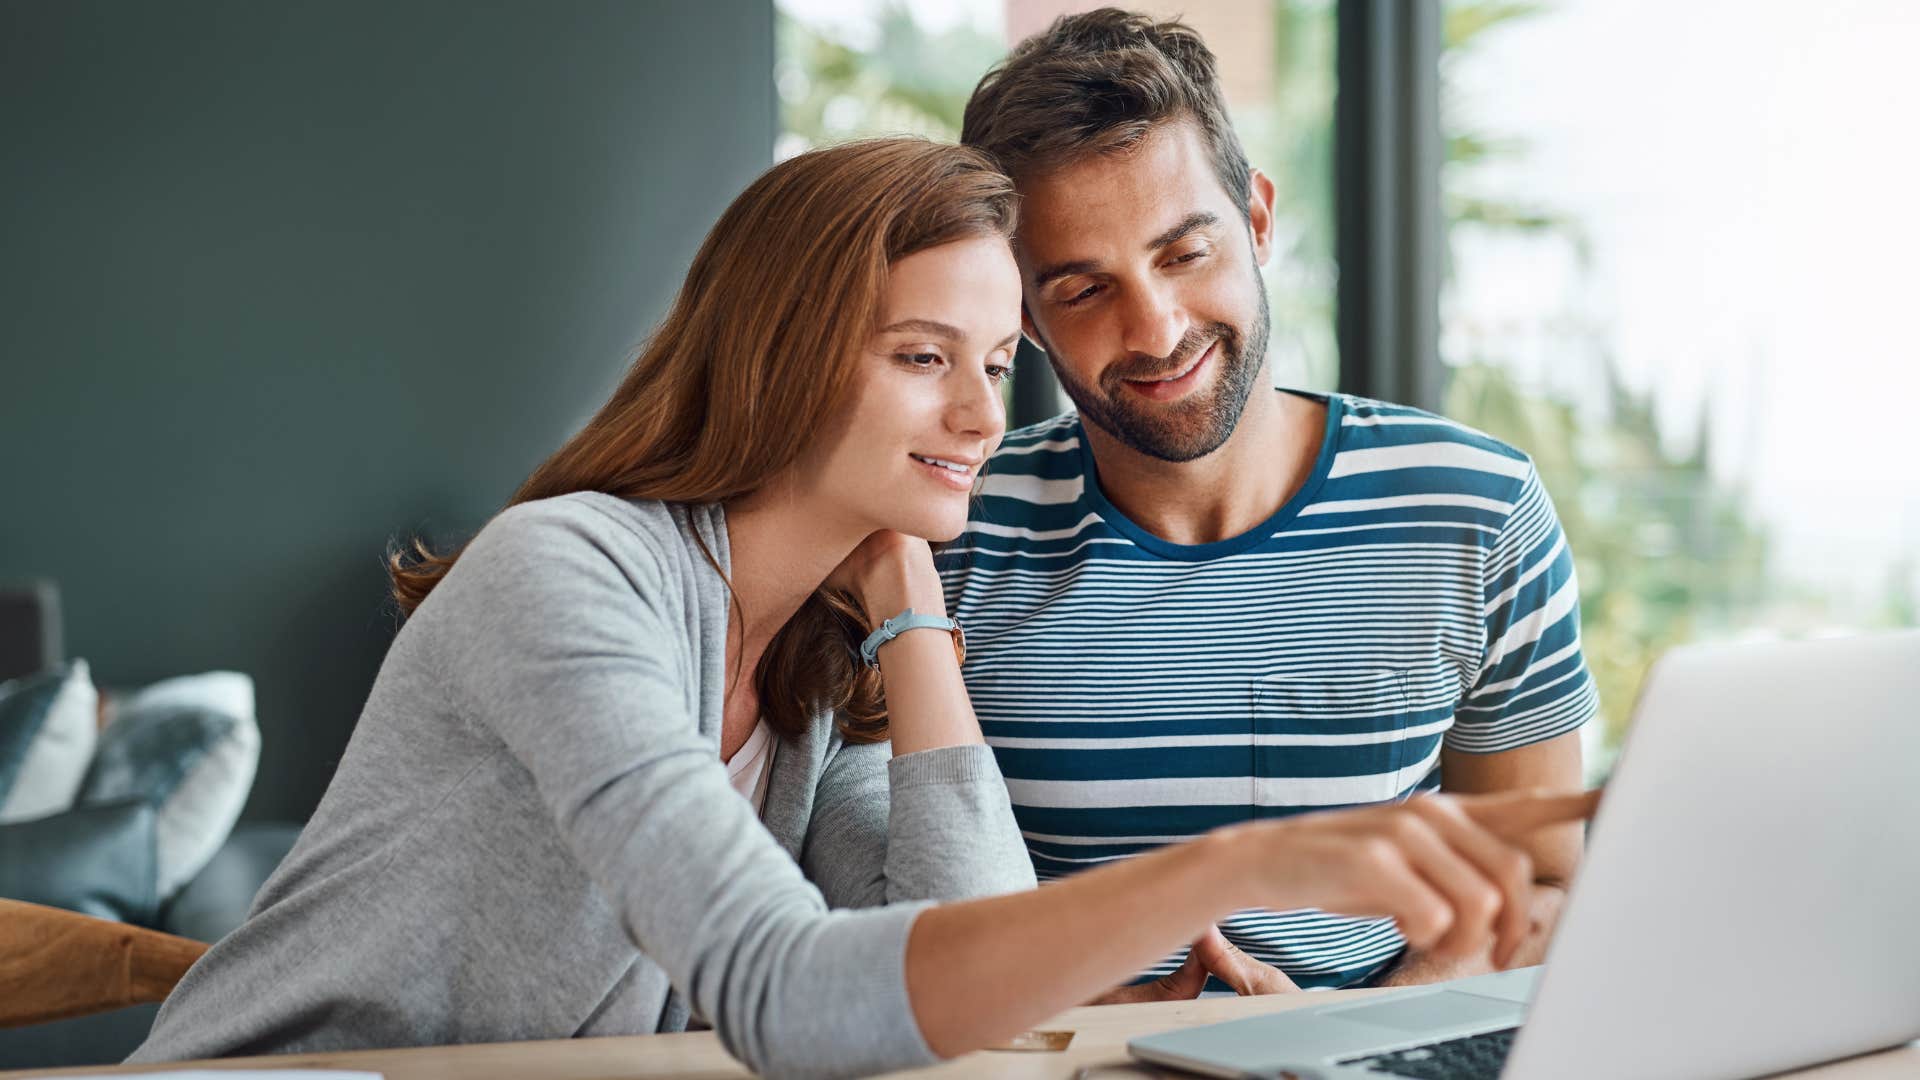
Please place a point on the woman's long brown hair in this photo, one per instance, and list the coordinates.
(756, 355)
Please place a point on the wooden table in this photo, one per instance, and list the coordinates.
(1100, 1037)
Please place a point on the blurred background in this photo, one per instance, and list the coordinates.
(285, 284)
(1674, 243)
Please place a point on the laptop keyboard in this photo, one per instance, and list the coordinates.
(1475, 1057)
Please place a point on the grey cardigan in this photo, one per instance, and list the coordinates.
(531, 836)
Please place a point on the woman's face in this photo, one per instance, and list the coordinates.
(927, 401)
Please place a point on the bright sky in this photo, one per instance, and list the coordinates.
(1748, 174)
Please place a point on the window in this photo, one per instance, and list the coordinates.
(1677, 243)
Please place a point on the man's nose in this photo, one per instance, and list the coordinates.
(1153, 322)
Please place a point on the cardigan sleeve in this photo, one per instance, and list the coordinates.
(566, 634)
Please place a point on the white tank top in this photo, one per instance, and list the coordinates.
(750, 766)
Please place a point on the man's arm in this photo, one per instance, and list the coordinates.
(1555, 763)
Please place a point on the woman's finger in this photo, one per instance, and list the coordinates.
(1513, 815)
(1386, 883)
(1475, 901)
(1507, 866)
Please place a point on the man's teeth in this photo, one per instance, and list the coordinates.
(942, 463)
(1183, 372)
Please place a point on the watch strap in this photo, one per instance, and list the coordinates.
(903, 622)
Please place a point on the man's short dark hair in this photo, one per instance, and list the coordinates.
(1098, 82)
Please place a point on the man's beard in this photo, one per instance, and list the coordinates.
(1192, 427)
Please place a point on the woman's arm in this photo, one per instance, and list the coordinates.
(1447, 870)
(927, 704)
(926, 817)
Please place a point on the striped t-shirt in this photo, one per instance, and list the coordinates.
(1416, 592)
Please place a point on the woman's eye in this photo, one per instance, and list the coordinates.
(918, 359)
(999, 373)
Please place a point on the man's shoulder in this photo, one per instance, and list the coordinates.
(1370, 422)
(1037, 467)
(1381, 443)
(1054, 439)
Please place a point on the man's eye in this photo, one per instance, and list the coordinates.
(1081, 295)
(1191, 256)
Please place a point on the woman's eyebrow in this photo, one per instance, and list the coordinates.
(926, 326)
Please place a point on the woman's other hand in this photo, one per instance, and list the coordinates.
(888, 573)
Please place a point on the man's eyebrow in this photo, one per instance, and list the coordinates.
(1197, 219)
(1049, 274)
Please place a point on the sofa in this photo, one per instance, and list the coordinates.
(206, 907)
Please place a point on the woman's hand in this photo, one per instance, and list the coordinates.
(1445, 868)
(888, 573)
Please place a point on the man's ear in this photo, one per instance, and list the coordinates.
(1260, 215)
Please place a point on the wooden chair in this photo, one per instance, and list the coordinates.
(57, 964)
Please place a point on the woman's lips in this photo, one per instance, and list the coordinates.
(955, 481)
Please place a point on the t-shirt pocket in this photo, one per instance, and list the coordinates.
(1329, 740)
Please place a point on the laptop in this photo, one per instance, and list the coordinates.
(1749, 902)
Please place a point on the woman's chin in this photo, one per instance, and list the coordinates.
(934, 527)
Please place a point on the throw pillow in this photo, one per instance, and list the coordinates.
(97, 860)
(47, 732)
(188, 746)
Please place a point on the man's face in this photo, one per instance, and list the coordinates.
(1142, 284)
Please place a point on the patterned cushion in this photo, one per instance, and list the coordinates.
(189, 747)
(47, 732)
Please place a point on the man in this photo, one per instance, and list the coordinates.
(1197, 599)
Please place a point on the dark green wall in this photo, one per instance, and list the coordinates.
(281, 281)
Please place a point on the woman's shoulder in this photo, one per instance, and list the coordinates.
(597, 511)
(648, 539)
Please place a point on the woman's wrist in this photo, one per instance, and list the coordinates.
(1242, 860)
(885, 604)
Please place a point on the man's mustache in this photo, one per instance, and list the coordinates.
(1147, 368)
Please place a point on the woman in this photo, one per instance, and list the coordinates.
(533, 832)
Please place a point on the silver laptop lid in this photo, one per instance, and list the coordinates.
(1750, 901)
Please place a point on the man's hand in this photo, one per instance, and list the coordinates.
(1248, 977)
(1212, 955)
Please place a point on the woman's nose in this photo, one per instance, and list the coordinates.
(977, 408)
